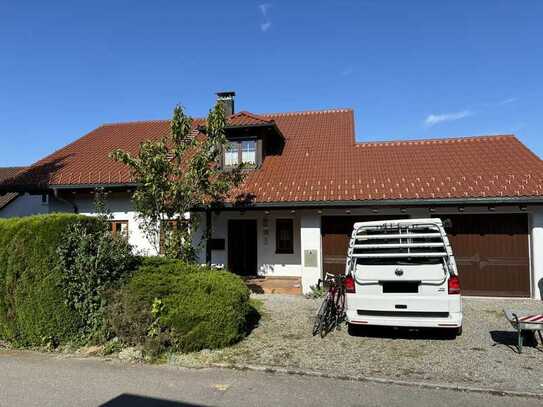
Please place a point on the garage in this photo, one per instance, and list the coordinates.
(491, 250)
(335, 233)
(492, 254)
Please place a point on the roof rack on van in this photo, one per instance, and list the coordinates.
(397, 239)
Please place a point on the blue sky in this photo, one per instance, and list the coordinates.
(409, 69)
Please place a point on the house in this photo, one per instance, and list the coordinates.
(311, 181)
(16, 204)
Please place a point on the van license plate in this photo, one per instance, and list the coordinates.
(392, 287)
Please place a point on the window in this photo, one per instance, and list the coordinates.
(240, 152)
(284, 236)
(119, 227)
(167, 230)
(248, 152)
(231, 154)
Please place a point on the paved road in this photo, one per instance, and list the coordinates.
(31, 379)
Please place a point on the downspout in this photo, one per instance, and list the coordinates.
(66, 201)
(208, 237)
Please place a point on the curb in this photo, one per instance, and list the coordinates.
(369, 379)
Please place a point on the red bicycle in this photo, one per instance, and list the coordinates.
(332, 310)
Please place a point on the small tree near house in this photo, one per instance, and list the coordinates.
(177, 174)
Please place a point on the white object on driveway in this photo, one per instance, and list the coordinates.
(402, 273)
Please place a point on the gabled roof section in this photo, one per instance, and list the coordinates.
(246, 119)
(7, 173)
(459, 168)
(321, 162)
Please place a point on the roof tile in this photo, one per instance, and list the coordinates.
(321, 161)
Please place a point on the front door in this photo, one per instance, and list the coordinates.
(242, 247)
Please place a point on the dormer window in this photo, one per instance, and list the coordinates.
(242, 151)
(248, 152)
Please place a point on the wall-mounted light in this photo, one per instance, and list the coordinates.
(319, 211)
(292, 212)
(491, 208)
(348, 211)
(403, 210)
(375, 210)
(432, 209)
(267, 212)
(523, 207)
(461, 209)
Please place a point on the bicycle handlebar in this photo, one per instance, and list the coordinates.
(328, 277)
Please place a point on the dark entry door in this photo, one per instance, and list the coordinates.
(491, 253)
(242, 247)
(336, 233)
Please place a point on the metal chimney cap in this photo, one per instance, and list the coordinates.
(226, 95)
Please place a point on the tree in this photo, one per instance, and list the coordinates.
(177, 174)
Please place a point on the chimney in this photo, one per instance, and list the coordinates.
(226, 99)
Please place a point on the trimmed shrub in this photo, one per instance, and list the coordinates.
(181, 306)
(92, 261)
(33, 306)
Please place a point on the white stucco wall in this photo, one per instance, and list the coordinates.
(310, 230)
(269, 263)
(24, 205)
(536, 237)
(120, 207)
(307, 234)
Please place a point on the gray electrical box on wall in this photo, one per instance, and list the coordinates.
(310, 258)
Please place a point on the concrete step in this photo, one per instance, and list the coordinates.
(274, 285)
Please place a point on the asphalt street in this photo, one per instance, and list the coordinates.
(34, 379)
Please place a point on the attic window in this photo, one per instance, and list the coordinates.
(237, 152)
(231, 156)
(248, 151)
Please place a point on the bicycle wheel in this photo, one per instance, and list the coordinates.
(318, 318)
(327, 318)
(340, 307)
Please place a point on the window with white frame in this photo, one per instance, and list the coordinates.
(248, 151)
(231, 155)
(237, 152)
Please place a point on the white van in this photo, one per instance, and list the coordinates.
(402, 273)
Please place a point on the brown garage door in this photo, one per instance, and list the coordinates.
(336, 232)
(491, 252)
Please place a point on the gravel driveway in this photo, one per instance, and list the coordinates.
(483, 356)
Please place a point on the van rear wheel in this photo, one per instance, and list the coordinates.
(452, 333)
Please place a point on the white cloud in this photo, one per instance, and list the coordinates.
(265, 26)
(347, 71)
(264, 8)
(433, 119)
(507, 101)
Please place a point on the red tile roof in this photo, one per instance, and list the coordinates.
(322, 162)
(246, 119)
(5, 174)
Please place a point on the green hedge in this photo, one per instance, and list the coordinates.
(200, 308)
(33, 308)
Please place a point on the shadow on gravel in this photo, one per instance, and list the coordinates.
(253, 317)
(132, 400)
(401, 332)
(509, 339)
